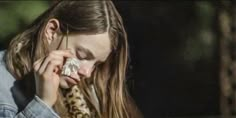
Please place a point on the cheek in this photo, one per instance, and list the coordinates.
(87, 66)
(86, 69)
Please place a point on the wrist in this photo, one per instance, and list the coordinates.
(47, 102)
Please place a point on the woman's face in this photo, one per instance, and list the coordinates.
(89, 49)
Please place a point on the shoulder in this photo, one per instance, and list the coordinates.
(5, 76)
(6, 83)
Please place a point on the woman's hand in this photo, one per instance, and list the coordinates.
(47, 75)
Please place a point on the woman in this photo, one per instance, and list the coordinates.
(31, 70)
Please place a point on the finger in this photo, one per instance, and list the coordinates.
(64, 53)
(51, 66)
(41, 64)
(51, 57)
(57, 70)
(58, 57)
(37, 64)
(60, 54)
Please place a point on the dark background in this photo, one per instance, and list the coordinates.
(174, 69)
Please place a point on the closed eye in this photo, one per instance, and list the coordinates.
(84, 53)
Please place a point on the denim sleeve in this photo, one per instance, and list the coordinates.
(35, 109)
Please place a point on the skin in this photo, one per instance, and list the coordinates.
(90, 49)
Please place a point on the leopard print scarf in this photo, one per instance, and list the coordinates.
(76, 104)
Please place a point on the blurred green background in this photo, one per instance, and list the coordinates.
(16, 15)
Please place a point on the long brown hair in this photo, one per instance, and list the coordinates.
(81, 16)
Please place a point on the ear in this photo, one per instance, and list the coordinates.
(51, 30)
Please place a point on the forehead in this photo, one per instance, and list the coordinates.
(98, 44)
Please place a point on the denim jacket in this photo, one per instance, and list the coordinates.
(13, 101)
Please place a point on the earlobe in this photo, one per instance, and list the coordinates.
(51, 30)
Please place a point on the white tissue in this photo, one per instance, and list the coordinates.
(71, 66)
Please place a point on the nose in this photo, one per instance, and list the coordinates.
(85, 71)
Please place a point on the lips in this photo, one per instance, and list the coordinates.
(71, 80)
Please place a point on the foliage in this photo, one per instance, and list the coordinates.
(16, 15)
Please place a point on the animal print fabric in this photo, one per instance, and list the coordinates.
(76, 104)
